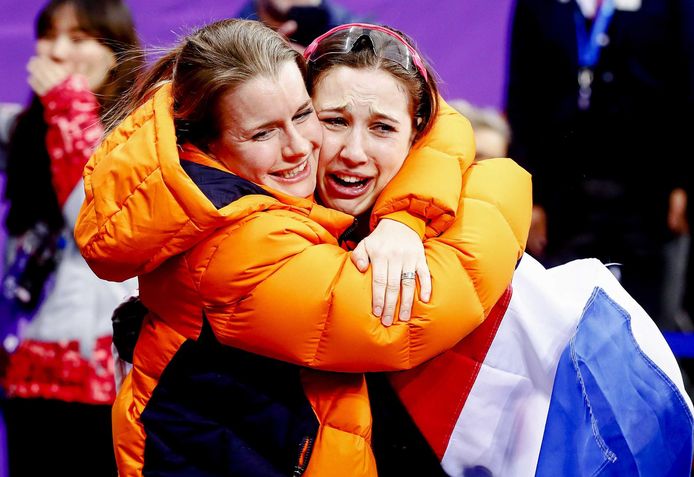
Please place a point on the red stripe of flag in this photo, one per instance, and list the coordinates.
(435, 392)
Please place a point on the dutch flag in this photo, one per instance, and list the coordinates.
(568, 376)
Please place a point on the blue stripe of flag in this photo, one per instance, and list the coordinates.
(681, 344)
(612, 410)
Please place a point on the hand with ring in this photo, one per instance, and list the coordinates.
(397, 258)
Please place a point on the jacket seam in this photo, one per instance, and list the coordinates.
(214, 249)
(330, 426)
(241, 223)
(498, 211)
(196, 285)
(314, 359)
(108, 219)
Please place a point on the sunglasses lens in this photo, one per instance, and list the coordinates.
(394, 51)
(383, 45)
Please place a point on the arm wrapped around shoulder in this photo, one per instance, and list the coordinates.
(301, 299)
(428, 185)
(489, 235)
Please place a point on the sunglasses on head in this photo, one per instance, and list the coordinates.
(386, 44)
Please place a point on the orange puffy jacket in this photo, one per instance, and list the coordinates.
(247, 265)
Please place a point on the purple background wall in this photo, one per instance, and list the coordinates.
(464, 39)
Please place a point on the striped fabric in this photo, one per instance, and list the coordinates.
(569, 376)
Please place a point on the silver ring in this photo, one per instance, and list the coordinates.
(408, 276)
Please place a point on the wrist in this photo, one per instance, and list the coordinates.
(70, 86)
(417, 224)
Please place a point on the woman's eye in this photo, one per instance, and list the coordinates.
(261, 136)
(334, 121)
(303, 115)
(383, 127)
(79, 36)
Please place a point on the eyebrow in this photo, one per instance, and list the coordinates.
(381, 115)
(277, 122)
(372, 112)
(77, 29)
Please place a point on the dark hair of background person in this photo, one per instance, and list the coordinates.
(423, 94)
(29, 188)
(206, 65)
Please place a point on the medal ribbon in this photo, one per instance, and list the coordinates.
(589, 44)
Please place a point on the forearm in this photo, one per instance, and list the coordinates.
(312, 307)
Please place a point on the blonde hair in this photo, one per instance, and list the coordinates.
(483, 117)
(208, 63)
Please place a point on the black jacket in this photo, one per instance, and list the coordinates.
(638, 129)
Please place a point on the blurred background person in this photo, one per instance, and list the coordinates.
(8, 117)
(689, 278)
(676, 257)
(492, 132)
(59, 381)
(299, 20)
(599, 100)
(492, 139)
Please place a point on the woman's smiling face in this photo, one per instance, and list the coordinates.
(269, 133)
(367, 133)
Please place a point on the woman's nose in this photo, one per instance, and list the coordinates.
(353, 150)
(60, 48)
(297, 146)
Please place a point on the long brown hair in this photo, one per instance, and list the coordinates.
(29, 188)
(111, 24)
(423, 93)
(205, 65)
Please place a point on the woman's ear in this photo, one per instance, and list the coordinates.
(418, 121)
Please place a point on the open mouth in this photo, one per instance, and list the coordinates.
(293, 173)
(350, 181)
(346, 185)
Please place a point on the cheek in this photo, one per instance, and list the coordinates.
(43, 47)
(332, 142)
(256, 160)
(238, 159)
(388, 165)
(313, 131)
(95, 56)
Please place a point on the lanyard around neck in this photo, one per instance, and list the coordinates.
(590, 43)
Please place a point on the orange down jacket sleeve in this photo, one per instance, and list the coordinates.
(267, 272)
(274, 284)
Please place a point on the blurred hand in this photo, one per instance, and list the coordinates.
(537, 237)
(677, 212)
(393, 248)
(45, 74)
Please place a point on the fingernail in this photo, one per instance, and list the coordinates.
(404, 316)
(378, 310)
(361, 264)
(425, 297)
(387, 320)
